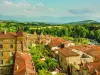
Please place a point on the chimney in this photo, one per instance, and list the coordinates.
(62, 45)
(5, 32)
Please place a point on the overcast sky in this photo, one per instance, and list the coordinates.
(52, 10)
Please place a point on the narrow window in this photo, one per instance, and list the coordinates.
(11, 43)
(1, 61)
(1, 43)
(11, 62)
(1, 46)
(11, 53)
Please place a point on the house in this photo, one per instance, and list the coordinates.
(75, 56)
(66, 42)
(54, 44)
(10, 43)
(23, 64)
(66, 58)
(57, 43)
(45, 39)
(89, 51)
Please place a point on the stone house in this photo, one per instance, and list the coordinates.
(10, 43)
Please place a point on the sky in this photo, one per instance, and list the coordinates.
(55, 11)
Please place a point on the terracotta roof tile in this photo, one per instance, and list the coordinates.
(67, 52)
(2, 35)
(57, 42)
(54, 42)
(94, 66)
(19, 32)
(23, 60)
(91, 50)
(12, 33)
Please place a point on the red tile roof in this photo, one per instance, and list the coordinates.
(2, 35)
(54, 42)
(91, 50)
(67, 52)
(94, 53)
(24, 62)
(12, 33)
(57, 42)
(94, 66)
(19, 32)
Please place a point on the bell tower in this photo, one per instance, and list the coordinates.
(19, 40)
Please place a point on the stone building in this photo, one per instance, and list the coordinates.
(10, 43)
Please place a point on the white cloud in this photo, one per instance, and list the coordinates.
(40, 4)
(7, 2)
(23, 4)
(23, 8)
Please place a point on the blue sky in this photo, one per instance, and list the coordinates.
(57, 11)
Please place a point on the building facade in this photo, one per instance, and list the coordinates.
(10, 43)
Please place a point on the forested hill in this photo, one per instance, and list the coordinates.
(44, 23)
(90, 29)
(85, 22)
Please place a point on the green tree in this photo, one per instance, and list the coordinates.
(44, 72)
(41, 66)
(52, 64)
(98, 35)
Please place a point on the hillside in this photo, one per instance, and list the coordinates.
(85, 22)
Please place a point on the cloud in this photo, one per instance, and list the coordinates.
(23, 4)
(28, 10)
(80, 11)
(23, 8)
(7, 2)
(40, 4)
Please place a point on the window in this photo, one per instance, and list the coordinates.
(1, 54)
(11, 61)
(84, 56)
(1, 61)
(1, 46)
(11, 53)
(1, 41)
(11, 45)
(1, 71)
(29, 44)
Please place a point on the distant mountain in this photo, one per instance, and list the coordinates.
(85, 22)
(21, 18)
(48, 19)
